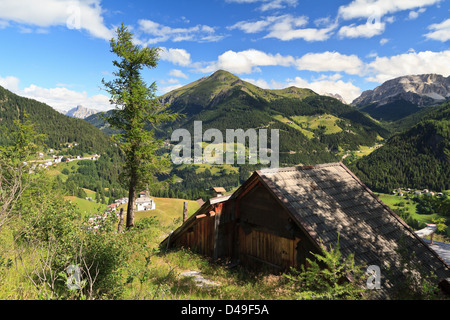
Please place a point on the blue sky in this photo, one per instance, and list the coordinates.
(57, 51)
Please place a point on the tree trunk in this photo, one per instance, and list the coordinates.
(131, 202)
(185, 211)
(120, 226)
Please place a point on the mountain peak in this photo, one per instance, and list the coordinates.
(81, 112)
(420, 90)
(223, 75)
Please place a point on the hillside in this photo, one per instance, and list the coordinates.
(61, 130)
(97, 121)
(417, 158)
(67, 137)
(224, 101)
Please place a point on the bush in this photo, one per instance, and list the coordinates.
(54, 240)
(326, 277)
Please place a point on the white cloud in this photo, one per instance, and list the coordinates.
(4, 24)
(161, 33)
(164, 90)
(255, 26)
(367, 30)
(65, 99)
(268, 4)
(11, 83)
(440, 31)
(415, 14)
(178, 73)
(176, 56)
(347, 90)
(170, 81)
(73, 14)
(379, 8)
(247, 61)
(386, 68)
(307, 34)
(59, 98)
(384, 41)
(287, 27)
(333, 77)
(264, 84)
(277, 4)
(330, 61)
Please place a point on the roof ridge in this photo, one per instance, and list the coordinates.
(298, 168)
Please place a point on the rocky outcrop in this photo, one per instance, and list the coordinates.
(421, 90)
(81, 112)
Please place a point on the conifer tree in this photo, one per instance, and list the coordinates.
(136, 110)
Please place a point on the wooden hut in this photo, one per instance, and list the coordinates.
(279, 216)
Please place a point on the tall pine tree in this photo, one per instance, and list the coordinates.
(136, 109)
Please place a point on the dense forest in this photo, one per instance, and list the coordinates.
(101, 176)
(59, 129)
(417, 158)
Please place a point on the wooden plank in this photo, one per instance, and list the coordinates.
(185, 211)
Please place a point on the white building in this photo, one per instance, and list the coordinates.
(145, 203)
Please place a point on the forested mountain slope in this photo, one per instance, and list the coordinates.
(416, 158)
(224, 101)
(58, 128)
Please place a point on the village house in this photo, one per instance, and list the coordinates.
(278, 217)
(112, 207)
(218, 191)
(121, 200)
(145, 202)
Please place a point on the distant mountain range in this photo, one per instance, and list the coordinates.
(313, 128)
(80, 112)
(403, 96)
(59, 129)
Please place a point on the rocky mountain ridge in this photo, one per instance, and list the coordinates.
(420, 90)
(80, 112)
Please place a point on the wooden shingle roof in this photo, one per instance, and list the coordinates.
(328, 202)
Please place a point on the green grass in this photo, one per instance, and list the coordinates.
(214, 168)
(364, 151)
(314, 122)
(90, 193)
(391, 200)
(307, 124)
(167, 210)
(291, 123)
(86, 207)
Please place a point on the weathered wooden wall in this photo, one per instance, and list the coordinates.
(259, 209)
(253, 228)
(262, 249)
(266, 234)
(199, 237)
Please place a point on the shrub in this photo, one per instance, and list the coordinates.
(327, 277)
